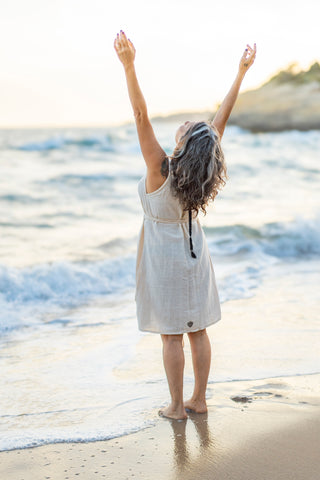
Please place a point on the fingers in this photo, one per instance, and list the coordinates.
(249, 51)
(116, 42)
(121, 41)
(244, 56)
(248, 57)
(253, 52)
(249, 54)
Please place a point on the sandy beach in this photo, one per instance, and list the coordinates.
(258, 429)
(267, 428)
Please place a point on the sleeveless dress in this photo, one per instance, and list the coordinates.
(175, 293)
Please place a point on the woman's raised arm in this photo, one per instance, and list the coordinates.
(224, 111)
(150, 148)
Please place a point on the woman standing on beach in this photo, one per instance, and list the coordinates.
(176, 291)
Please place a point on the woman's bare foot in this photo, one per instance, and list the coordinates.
(198, 406)
(175, 413)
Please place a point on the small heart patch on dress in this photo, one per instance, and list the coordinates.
(190, 324)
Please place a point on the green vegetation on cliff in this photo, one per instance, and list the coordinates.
(291, 75)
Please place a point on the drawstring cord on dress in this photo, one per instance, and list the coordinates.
(190, 235)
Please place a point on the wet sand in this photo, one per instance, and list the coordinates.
(254, 429)
(261, 429)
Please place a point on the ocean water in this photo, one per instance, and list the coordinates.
(74, 366)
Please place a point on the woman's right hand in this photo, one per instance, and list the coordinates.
(125, 49)
(247, 58)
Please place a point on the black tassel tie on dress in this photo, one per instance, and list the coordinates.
(190, 235)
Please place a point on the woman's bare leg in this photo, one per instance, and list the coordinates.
(201, 360)
(173, 360)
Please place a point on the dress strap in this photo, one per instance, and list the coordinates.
(193, 255)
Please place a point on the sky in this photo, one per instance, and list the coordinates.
(59, 67)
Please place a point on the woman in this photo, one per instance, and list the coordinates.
(176, 291)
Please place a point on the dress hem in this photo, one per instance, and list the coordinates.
(181, 333)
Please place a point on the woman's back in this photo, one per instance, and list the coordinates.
(160, 203)
(175, 293)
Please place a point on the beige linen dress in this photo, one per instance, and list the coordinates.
(175, 293)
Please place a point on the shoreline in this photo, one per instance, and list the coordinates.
(253, 429)
(261, 357)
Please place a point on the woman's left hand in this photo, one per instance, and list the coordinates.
(247, 58)
(125, 49)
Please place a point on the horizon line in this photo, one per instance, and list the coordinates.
(156, 116)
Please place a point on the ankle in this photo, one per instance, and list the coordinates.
(198, 398)
(177, 405)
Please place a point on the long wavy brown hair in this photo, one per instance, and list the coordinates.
(198, 169)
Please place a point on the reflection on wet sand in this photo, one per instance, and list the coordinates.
(182, 453)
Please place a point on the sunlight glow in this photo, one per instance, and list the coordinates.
(59, 66)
